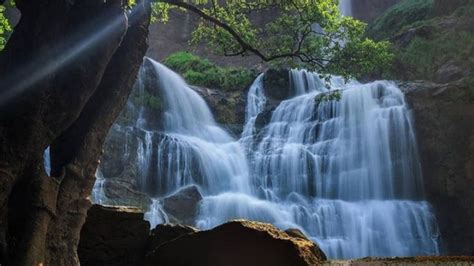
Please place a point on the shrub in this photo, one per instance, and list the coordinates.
(398, 17)
(202, 72)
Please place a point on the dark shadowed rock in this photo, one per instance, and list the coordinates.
(277, 84)
(181, 207)
(444, 120)
(163, 233)
(113, 236)
(449, 72)
(237, 243)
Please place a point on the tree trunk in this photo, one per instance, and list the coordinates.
(71, 66)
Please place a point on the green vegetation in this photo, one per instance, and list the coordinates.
(423, 41)
(202, 72)
(335, 95)
(288, 38)
(149, 100)
(5, 28)
(398, 17)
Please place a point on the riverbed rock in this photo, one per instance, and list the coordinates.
(237, 243)
(113, 236)
(182, 206)
(124, 192)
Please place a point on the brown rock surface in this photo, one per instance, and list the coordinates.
(237, 243)
(182, 206)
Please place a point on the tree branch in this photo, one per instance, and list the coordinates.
(244, 44)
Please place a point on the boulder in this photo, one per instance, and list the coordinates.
(182, 206)
(295, 232)
(237, 243)
(124, 192)
(277, 84)
(449, 72)
(113, 236)
(163, 233)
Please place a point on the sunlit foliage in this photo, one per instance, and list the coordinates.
(308, 34)
(5, 27)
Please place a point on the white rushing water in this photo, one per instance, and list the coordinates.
(346, 7)
(345, 172)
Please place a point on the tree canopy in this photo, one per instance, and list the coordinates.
(309, 34)
(303, 34)
(5, 27)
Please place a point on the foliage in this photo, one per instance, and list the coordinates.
(426, 41)
(290, 38)
(422, 57)
(335, 95)
(149, 100)
(202, 72)
(5, 27)
(398, 17)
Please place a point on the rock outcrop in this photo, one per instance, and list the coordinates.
(237, 243)
(182, 206)
(113, 236)
(444, 120)
(368, 10)
(120, 236)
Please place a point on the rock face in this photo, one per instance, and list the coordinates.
(444, 119)
(182, 206)
(124, 192)
(113, 236)
(368, 10)
(237, 243)
(227, 107)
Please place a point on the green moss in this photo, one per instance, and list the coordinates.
(399, 17)
(149, 100)
(427, 39)
(202, 72)
(424, 56)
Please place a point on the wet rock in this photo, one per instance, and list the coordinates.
(182, 206)
(124, 192)
(113, 236)
(277, 84)
(444, 116)
(228, 107)
(237, 243)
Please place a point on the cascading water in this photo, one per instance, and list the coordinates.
(346, 7)
(344, 172)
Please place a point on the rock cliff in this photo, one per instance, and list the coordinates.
(444, 116)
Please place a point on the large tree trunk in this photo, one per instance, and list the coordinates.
(71, 66)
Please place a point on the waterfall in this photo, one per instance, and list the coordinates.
(345, 172)
(346, 7)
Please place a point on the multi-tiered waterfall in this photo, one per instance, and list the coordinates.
(345, 172)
